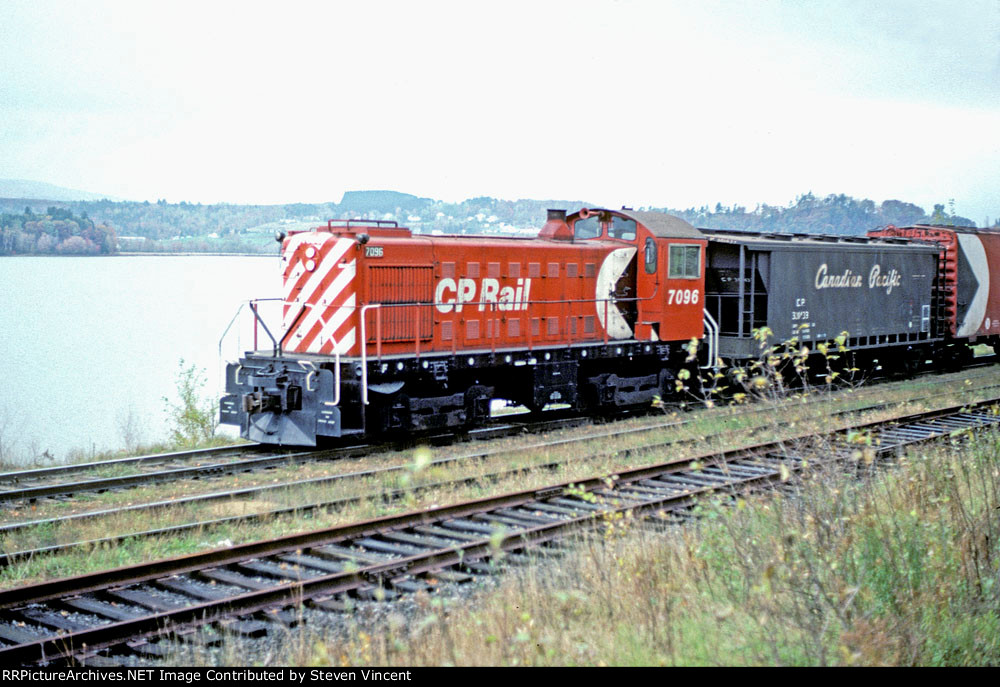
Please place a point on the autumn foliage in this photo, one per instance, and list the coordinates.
(58, 232)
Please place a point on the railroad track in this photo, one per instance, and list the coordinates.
(30, 491)
(251, 587)
(152, 461)
(36, 485)
(387, 495)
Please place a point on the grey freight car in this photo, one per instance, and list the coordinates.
(882, 292)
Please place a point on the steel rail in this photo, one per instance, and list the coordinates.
(250, 492)
(215, 469)
(15, 476)
(276, 459)
(386, 496)
(142, 479)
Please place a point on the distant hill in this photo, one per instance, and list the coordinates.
(382, 201)
(223, 227)
(39, 190)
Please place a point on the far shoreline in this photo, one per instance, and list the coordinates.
(134, 254)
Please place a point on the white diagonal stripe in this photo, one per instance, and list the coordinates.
(306, 295)
(317, 240)
(331, 327)
(292, 279)
(326, 263)
(344, 345)
(297, 269)
(320, 305)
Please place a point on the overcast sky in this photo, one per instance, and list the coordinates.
(638, 103)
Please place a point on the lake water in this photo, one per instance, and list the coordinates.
(85, 343)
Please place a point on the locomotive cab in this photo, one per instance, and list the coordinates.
(660, 282)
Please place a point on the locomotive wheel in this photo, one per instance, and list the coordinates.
(668, 384)
(477, 405)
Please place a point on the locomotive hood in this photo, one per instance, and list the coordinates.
(320, 293)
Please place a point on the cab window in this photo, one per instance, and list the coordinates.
(589, 228)
(622, 228)
(650, 256)
(685, 262)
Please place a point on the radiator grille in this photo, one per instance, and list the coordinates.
(390, 286)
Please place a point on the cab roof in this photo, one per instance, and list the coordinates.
(660, 224)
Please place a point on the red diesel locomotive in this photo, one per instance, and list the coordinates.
(388, 331)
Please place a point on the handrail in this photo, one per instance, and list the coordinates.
(492, 305)
(304, 363)
(225, 333)
(713, 340)
(308, 364)
(336, 377)
(302, 310)
(230, 326)
(253, 304)
(495, 304)
(377, 223)
(364, 351)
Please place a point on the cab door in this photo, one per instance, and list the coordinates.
(682, 283)
(649, 256)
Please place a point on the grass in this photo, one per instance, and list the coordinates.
(25, 460)
(700, 426)
(703, 431)
(897, 567)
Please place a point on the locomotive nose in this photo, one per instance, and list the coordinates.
(284, 402)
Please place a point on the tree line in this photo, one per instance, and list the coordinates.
(56, 232)
(67, 227)
(833, 214)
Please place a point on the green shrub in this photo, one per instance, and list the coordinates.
(194, 419)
